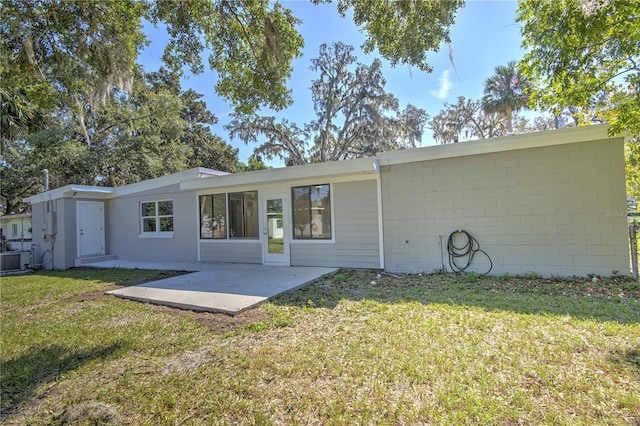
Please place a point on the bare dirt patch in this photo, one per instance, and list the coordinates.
(223, 323)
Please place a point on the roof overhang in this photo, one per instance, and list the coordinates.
(345, 168)
(500, 144)
(106, 192)
(73, 191)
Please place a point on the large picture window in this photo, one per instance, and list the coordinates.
(312, 212)
(213, 216)
(240, 220)
(157, 217)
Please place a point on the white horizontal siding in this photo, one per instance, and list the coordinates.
(355, 245)
(231, 251)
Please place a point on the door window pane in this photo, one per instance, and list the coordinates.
(274, 226)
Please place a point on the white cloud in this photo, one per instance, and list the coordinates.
(444, 88)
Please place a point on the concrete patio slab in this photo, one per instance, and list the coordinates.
(216, 287)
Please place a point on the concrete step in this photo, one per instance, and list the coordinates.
(87, 260)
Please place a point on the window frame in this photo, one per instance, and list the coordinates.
(311, 238)
(158, 233)
(228, 213)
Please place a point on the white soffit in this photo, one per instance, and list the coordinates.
(505, 143)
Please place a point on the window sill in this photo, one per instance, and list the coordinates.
(229, 240)
(157, 235)
(313, 241)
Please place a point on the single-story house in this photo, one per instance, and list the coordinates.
(551, 202)
(15, 230)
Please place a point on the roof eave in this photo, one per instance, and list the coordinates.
(499, 144)
(359, 166)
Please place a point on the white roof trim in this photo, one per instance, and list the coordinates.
(357, 166)
(106, 192)
(102, 192)
(174, 179)
(505, 143)
(198, 178)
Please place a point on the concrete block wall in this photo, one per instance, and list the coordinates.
(555, 210)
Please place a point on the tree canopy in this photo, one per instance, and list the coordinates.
(506, 92)
(403, 31)
(355, 116)
(156, 129)
(74, 96)
(467, 119)
(586, 55)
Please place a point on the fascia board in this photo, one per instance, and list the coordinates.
(102, 192)
(105, 192)
(176, 178)
(505, 143)
(307, 171)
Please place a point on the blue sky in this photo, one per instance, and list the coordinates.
(485, 35)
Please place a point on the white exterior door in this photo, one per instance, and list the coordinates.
(275, 232)
(90, 227)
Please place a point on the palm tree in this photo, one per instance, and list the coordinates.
(505, 92)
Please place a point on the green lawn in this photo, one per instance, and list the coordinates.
(436, 349)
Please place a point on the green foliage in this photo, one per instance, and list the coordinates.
(155, 130)
(404, 31)
(465, 120)
(632, 157)
(506, 92)
(69, 76)
(252, 45)
(254, 163)
(584, 55)
(355, 116)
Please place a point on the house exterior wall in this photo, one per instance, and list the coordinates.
(355, 241)
(123, 225)
(37, 240)
(231, 251)
(21, 238)
(356, 234)
(54, 233)
(555, 210)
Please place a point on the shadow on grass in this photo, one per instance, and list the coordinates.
(40, 365)
(609, 300)
(629, 357)
(118, 276)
